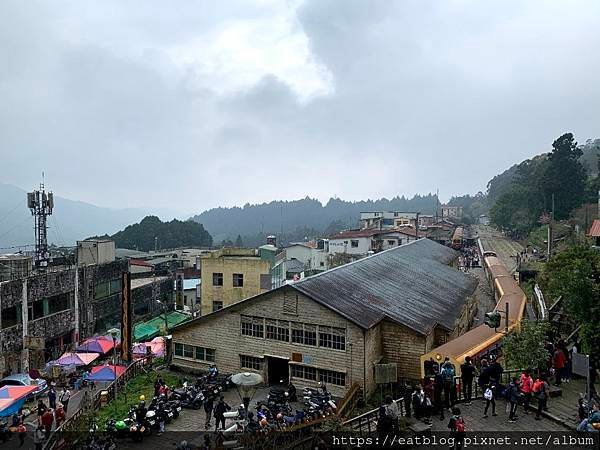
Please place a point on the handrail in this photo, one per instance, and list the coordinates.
(350, 399)
(73, 423)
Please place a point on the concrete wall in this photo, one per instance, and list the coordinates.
(95, 252)
(222, 332)
(345, 246)
(250, 266)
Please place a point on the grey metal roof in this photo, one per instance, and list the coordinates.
(410, 284)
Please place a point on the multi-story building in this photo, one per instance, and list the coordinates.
(382, 220)
(452, 212)
(230, 275)
(362, 242)
(65, 304)
(336, 326)
(14, 266)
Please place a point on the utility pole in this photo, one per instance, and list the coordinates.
(550, 226)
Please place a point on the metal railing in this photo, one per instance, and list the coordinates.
(366, 423)
(77, 425)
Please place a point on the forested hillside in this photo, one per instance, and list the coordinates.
(298, 219)
(141, 236)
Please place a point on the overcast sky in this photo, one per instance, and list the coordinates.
(195, 104)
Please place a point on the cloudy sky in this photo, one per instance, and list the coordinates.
(195, 104)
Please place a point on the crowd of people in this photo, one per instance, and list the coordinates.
(469, 258)
(49, 415)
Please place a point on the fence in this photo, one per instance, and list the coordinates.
(366, 423)
(76, 425)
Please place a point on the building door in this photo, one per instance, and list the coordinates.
(277, 369)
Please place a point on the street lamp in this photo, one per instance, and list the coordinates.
(113, 333)
(246, 384)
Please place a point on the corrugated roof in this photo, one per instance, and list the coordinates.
(368, 232)
(595, 229)
(411, 284)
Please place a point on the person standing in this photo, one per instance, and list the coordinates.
(467, 374)
(559, 361)
(488, 395)
(59, 415)
(513, 398)
(391, 411)
(41, 409)
(52, 398)
(540, 391)
(22, 433)
(219, 412)
(457, 429)
(438, 389)
(526, 389)
(47, 421)
(38, 437)
(449, 388)
(208, 409)
(65, 397)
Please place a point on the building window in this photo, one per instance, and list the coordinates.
(391, 242)
(217, 305)
(217, 279)
(290, 303)
(334, 338)
(238, 280)
(322, 264)
(252, 326)
(278, 330)
(265, 281)
(205, 354)
(331, 377)
(304, 334)
(354, 243)
(250, 362)
(306, 373)
(190, 351)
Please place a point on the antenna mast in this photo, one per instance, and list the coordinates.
(41, 204)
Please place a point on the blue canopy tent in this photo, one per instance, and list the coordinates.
(12, 398)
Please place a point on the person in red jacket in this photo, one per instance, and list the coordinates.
(47, 421)
(559, 361)
(60, 415)
(526, 386)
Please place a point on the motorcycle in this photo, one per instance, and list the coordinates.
(117, 428)
(283, 391)
(189, 398)
(5, 433)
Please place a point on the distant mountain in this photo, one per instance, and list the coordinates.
(141, 236)
(71, 221)
(299, 219)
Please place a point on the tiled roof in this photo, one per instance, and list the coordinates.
(411, 284)
(373, 232)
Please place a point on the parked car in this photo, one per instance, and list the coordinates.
(23, 379)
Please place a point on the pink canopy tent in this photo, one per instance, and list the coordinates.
(77, 359)
(99, 344)
(156, 346)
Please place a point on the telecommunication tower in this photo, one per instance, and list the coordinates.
(41, 204)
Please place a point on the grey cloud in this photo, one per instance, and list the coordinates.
(420, 93)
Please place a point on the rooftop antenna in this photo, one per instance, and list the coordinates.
(41, 204)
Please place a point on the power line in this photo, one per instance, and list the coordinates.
(11, 211)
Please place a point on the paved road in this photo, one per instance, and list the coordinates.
(473, 415)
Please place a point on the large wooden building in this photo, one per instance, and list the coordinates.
(336, 326)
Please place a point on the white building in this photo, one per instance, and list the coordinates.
(387, 219)
(313, 258)
(95, 251)
(361, 242)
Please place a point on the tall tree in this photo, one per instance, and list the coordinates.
(239, 242)
(564, 177)
(574, 274)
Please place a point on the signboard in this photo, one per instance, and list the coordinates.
(33, 343)
(581, 364)
(179, 291)
(386, 373)
(126, 318)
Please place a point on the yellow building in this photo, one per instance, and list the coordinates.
(230, 275)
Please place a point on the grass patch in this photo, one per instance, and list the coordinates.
(143, 384)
